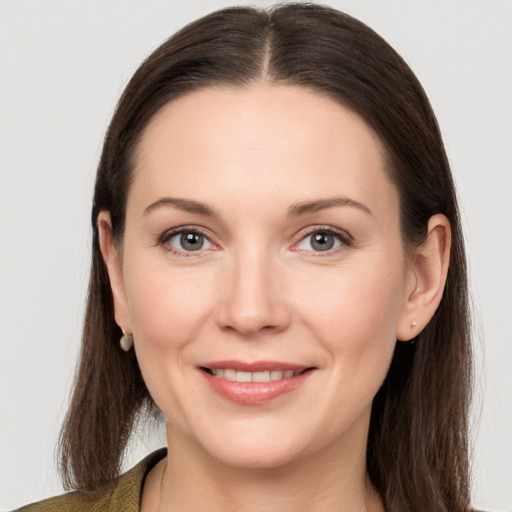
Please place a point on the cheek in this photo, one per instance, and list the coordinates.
(166, 305)
(354, 319)
(354, 312)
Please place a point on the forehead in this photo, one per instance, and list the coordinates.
(260, 140)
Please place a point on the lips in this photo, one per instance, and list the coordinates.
(253, 383)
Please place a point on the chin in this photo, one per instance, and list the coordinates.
(255, 458)
(256, 448)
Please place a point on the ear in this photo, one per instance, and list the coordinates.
(114, 264)
(426, 279)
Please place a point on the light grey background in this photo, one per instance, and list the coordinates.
(63, 65)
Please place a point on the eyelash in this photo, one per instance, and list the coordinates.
(343, 237)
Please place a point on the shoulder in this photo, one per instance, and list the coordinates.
(72, 502)
(123, 494)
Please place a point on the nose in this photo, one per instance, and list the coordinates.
(252, 297)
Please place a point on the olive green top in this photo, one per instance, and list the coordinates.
(124, 495)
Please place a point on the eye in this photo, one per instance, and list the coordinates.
(322, 240)
(187, 241)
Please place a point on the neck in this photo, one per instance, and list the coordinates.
(333, 479)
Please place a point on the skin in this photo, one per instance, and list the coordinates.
(258, 289)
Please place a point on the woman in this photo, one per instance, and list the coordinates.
(278, 267)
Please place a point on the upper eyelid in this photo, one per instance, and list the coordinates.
(166, 235)
(326, 229)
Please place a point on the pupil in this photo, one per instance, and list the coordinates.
(322, 242)
(191, 241)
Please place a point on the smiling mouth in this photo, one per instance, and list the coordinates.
(259, 376)
(254, 383)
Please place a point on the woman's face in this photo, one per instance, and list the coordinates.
(262, 240)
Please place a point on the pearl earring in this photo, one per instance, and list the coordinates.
(413, 325)
(126, 341)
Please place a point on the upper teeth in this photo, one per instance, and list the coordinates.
(266, 376)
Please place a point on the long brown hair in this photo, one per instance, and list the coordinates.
(417, 456)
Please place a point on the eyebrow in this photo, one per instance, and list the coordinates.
(295, 210)
(186, 205)
(322, 204)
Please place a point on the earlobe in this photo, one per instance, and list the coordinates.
(427, 277)
(113, 262)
